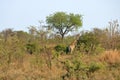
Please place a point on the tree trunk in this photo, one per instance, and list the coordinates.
(62, 35)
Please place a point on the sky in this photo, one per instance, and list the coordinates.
(20, 14)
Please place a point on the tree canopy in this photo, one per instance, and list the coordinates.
(63, 23)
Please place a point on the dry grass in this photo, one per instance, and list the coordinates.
(33, 71)
(29, 70)
(110, 57)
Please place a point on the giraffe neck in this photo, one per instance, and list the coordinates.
(73, 43)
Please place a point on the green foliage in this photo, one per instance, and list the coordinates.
(94, 67)
(88, 38)
(31, 48)
(99, 49)
(55, 54)
(63, 23)
(89, 43)
(60, 48)
(75, 68)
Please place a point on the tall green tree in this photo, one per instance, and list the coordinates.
(63, 23)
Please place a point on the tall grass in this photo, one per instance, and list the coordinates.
(111, 57)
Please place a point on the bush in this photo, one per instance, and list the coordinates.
(99, 49)
(94, 67)
(60, 48)
(75, 69)
(30, 48)
(88, 43)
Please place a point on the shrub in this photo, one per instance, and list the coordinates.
(75, 69)
(94, 67)
(60, 48)
(88, 43)
(99, 49)
(30, 48)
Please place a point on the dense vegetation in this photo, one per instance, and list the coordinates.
(41, 55)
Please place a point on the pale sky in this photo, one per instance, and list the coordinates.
(20, 14)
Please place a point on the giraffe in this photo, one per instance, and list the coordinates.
(72, 46)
